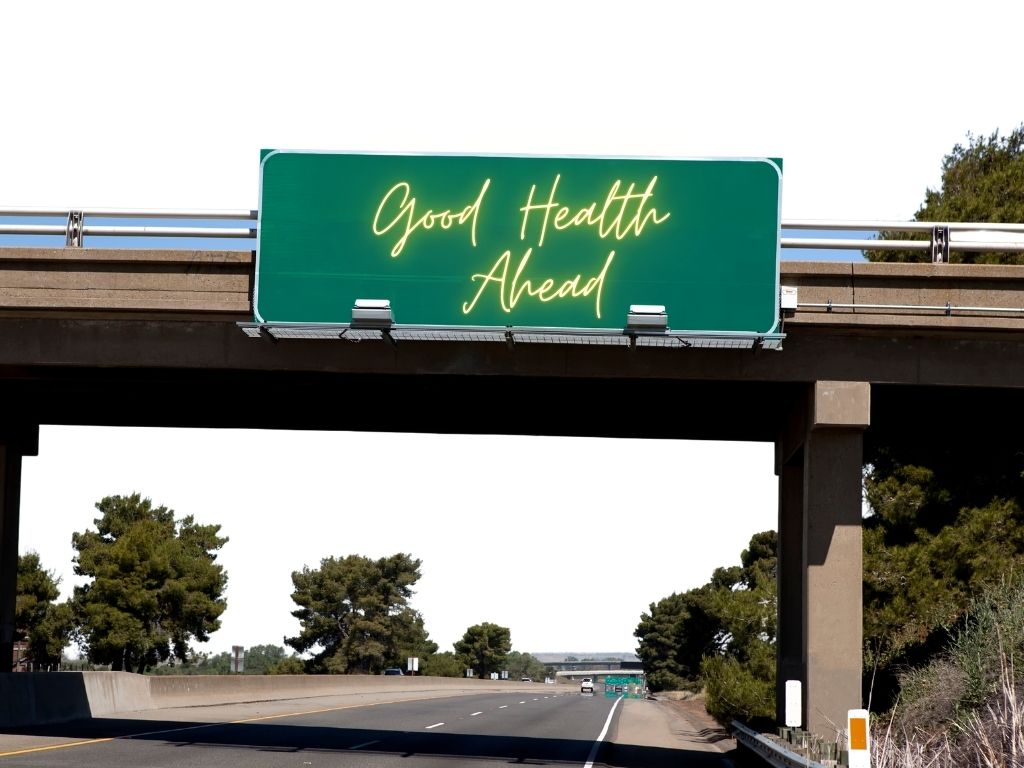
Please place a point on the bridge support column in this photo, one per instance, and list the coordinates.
(820, 568)
(14, 444)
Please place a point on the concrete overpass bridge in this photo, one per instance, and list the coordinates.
(152, 337)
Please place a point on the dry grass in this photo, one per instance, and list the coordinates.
(965, 709)
(991, 737)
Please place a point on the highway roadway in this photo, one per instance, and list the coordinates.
(465, 731)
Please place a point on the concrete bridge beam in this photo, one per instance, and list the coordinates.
(820, 569)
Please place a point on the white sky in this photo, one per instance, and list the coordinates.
(142, 105)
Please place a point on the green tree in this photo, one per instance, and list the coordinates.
(37, 590)
(355, 611)
(196, 663)
(485, 647)
(743, 600)
(155, 583)
(218, 664)
(260, 658)
(289, 665)
(944, 522)
(981, 182)
(925, 558)
(411, 637)
(524, 665)
(945, 519)
(740, 677)
(446, 664)
(741, 690)
(732, 616)
(674, 637)
(45, 625)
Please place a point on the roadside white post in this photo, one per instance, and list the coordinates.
(858, 738)
(794, 704)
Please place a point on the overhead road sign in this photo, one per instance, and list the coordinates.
(534, 244)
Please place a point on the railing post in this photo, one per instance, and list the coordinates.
(940, 245)
(74, 234)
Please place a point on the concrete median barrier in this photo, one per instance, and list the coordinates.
(233, 689)
(41, 698)
(38, 698)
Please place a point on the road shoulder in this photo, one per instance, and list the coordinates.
(671, 725)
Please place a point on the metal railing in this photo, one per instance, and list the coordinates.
(773, 752)
(944, 237)
(75, 228)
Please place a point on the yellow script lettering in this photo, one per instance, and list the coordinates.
(394, 212)
(510, 292)
(623, 213)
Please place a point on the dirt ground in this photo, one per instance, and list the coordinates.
(672, 723)
(707, 728)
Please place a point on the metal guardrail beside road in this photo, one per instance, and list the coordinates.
(771, 752)
(944, 237)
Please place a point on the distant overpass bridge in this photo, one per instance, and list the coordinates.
(153, 337)
(572, 666)
(595, 672)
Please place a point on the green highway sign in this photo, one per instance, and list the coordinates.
(628, 686)
(459, 241)
(622, 679)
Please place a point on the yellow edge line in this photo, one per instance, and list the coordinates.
(211, 725)
(54, 746)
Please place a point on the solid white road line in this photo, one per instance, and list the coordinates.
(604, 732)
(365, 744)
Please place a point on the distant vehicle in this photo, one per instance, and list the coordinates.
(393, 671)
(587, 685)
(525, 680)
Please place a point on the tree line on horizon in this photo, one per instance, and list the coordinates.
(155, 587)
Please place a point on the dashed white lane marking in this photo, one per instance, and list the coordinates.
(475, 714)
(522, 702)
(435, 725)
(604, 732)
(365, 744)
(503, 706)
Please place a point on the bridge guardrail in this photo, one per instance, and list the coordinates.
(74, 226)
(771, 752)
(167, 223)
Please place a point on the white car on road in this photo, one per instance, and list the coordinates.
(587, 685)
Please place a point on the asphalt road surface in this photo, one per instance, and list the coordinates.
(469, 731)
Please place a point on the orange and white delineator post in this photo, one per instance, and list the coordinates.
(858, 738)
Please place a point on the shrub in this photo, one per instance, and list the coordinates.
(662, 680)
(965, 708)
(739, 691)
(953, 687)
